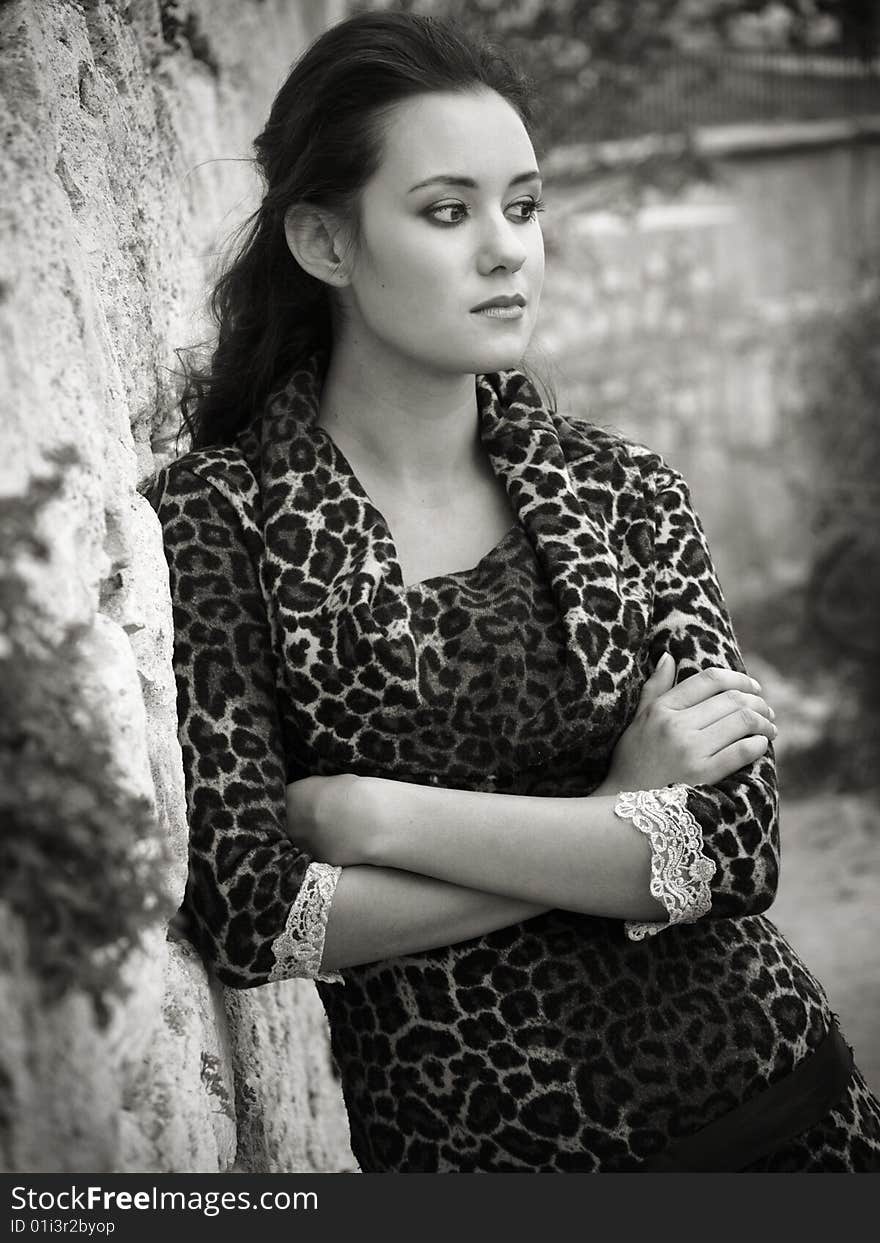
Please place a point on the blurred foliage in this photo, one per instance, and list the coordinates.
(841, 368)
(591, 60)
(831, 627)
(80, 863)
(842, 380)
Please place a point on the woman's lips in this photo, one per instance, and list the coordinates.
(514, 311)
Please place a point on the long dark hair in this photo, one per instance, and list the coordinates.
(322, 142)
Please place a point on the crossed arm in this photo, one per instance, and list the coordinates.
(576, 853)
(463, 864)
(488, 861)
(514, 856)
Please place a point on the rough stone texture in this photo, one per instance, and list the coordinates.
(281, 1064)
(126, 133)
(178, 1109)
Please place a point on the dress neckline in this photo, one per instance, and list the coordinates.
(345, 467)
(487, 557)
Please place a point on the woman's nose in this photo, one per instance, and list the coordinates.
(501, 247)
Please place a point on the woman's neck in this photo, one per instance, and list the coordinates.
(416, 429)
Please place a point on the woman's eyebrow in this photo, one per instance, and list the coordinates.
(453, 179)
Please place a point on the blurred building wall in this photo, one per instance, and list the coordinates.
(109, 218)
(678, 324)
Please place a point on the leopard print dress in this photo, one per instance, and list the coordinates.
(565, 1043)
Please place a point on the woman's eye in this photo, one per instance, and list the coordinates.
(521, 212)
(448, 213)
(526, 209)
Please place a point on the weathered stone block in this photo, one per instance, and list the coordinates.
(290, 1111)
(178, 1106)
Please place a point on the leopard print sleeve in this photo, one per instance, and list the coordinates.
(738, 816)
(256, 905)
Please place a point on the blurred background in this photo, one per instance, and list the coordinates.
(713, 290)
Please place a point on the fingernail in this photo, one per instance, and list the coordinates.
(756, 684)
(772, 714)
(775, 730)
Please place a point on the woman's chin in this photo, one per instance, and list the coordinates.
(499, 357)
(475, 357)
(504, 352)
(501, 361)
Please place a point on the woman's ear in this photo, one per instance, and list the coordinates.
(319, 242)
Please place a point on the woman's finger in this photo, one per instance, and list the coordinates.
(719, 706)
(660, 681)
(708, 682)
(742, 723)
(738, 755)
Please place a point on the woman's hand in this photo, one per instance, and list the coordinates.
(698, 732)
(327, 818)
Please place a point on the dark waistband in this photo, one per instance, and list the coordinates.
(767, 1120)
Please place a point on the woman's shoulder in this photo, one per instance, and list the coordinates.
(604, 455)
(205, 473)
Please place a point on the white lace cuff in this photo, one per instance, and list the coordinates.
(680, 871)
(300, 947)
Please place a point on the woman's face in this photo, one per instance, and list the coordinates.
(447, 224)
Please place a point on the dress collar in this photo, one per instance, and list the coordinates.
(330, 557)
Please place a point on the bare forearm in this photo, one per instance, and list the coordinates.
(380, 912)
(573, 853)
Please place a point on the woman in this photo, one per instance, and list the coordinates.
(466, 732)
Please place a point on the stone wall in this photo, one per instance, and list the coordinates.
(124, 127)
